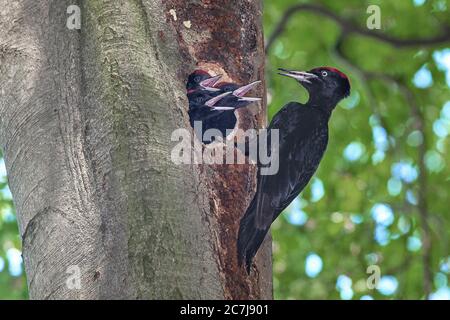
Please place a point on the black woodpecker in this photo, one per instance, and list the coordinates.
(303, 139)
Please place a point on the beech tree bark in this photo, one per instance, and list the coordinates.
(86, 118)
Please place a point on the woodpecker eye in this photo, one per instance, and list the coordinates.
(324, 73)
(197, 79)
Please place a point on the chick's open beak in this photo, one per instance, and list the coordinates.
(211, 102)
(242, 91)
(209, 83)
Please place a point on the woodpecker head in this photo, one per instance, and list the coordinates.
(326, 86)
(230, 96)
(226, 86)
(201, 79)
(198, 98)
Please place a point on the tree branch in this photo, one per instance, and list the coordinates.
(349, 27)
(362, 74)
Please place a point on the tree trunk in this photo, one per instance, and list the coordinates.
(86, 118)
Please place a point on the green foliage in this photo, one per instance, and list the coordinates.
(352, 188)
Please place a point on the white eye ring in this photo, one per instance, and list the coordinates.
(324, 73)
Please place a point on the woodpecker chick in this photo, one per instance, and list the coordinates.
(215, 108)
(201, 80)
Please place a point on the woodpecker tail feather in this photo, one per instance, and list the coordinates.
(250, 237)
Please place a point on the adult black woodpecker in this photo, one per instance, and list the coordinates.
(215, 109)
(303, 138)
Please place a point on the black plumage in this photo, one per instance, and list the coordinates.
(208, 116)
(303, 139)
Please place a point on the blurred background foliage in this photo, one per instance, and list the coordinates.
(380, 195)
(382, 188)
(12, 278)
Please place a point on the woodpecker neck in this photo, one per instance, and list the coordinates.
(322, 104)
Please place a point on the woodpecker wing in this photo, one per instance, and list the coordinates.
(298, 149)
(302, 141)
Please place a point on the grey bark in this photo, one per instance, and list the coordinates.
(85, 123)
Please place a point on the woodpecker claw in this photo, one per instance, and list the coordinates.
(242, 91)
(211, 102)
(209, 83)
(298, 75)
